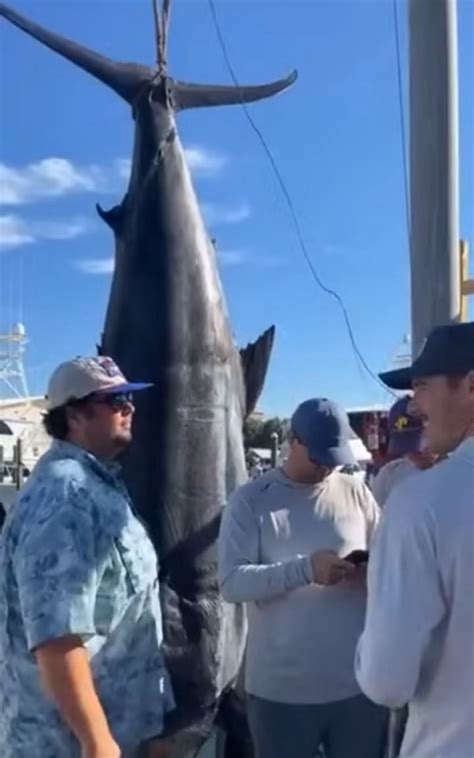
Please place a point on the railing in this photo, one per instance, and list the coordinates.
(15, 469)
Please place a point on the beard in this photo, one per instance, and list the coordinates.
(122, 439)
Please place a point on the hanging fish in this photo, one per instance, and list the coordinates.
(167, 321)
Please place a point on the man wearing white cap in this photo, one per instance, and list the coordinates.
(81, 665)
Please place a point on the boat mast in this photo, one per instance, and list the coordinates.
(434, 166)
(13, 380)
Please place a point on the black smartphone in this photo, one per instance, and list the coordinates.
(357, 557)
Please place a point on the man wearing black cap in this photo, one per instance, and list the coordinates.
(418, 641)
(282, 546)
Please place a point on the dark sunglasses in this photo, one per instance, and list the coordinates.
(117, 400)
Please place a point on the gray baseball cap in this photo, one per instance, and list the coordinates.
(448, 351)
(323, 428)
(81, 377)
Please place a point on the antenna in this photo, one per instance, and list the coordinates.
(12, 369)
(402, 358)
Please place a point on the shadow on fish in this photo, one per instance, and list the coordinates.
(167, 322)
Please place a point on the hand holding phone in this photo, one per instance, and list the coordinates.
(328, 568)
(357, 557)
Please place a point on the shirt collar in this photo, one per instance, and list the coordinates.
(465, 449)
(107, 469)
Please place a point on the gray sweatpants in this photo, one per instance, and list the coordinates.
(352, 728)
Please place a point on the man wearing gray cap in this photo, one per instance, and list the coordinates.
(81, 666)
(282, 545)
(418, 643)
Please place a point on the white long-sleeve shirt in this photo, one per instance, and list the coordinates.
(418, 641)
(302, 637)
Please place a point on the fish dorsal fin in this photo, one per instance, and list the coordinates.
(255, 359)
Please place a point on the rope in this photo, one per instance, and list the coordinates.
(158, 32)
(402, 122)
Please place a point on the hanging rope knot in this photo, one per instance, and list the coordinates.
(162, 20)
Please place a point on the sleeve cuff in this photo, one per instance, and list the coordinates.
(40, 636)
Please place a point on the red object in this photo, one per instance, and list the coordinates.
(371, 427)
(371, 432)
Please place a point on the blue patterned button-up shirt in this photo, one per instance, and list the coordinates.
(75, 560)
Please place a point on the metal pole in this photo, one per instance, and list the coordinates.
(464, 263)
(19, 464)
(434, 157)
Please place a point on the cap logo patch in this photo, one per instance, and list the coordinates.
(110, 368)
(401, 424)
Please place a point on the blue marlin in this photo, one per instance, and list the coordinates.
(167, 322)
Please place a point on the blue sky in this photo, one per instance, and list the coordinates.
(65, 140)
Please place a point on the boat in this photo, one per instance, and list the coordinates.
(23, 439)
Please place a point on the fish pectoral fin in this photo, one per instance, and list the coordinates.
(255, 359)
(187, 95)
(113, 217)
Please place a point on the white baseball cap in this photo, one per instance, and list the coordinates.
(76, 379)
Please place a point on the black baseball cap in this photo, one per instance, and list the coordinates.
(448, 351)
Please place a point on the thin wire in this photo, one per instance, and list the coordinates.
(292, 210)
(402, 122)
(21, 285)
(11, 297)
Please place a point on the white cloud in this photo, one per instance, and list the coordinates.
(203, 161)
(232, 257)
(51, 177)
(123, 167)
(96, 265)
(16, 231)
(216, 215)
(249, 257)
(61, 230)
(55, 177)
(13, 233)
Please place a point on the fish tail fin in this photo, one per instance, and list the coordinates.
(255, 359)
(125, 79)
(188, 96)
